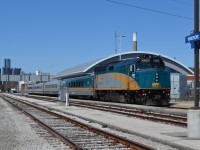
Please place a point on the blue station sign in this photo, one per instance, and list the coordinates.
(193, 37)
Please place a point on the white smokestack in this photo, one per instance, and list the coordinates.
(135, 41)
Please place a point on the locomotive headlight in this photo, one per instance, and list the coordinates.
(156, 77)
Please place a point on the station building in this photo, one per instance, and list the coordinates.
(179, 72)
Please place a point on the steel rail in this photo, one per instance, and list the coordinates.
(156, 117)
(118, 139)
(48, 128)
(174, 120)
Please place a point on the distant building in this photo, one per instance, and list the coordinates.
(7, 63)
(38, 72)
(9, 74)
(7, 70)
(16, 71)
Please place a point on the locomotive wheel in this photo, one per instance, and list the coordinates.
(151, 102)
(128, 98)
(102, 97)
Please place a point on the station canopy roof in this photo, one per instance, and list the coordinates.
(88, 68)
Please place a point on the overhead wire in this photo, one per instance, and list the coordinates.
(148, 9)
(180, 2)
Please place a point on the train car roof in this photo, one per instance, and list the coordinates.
(88, 68)
(52, 82)
(33, 85)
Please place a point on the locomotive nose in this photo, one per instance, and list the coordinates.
(156, 80)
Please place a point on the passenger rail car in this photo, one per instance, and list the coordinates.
(35, 88)
(141, 80)
(48, 88)
(52, 88)
(80, 86)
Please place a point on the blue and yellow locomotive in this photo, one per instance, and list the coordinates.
(141, 80)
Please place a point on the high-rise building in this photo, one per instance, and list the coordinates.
(7, 63)
(16, 71)
(7, 70)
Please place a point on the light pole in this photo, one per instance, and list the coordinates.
(120, 45)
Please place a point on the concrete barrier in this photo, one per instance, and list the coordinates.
(62, 95)
(193, 121)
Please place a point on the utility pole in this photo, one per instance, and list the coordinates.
(120, 45)
(116, 42)
(193, 119)
(196, 53)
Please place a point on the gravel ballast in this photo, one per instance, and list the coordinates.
(17, 132)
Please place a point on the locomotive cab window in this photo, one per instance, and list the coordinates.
(100, 69)
(111, 68)
(157, 63)
(132, 68)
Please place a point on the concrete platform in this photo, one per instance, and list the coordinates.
(168, 134)
(182, 104)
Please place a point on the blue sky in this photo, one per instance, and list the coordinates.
(52, 35)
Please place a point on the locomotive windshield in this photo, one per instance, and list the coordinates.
(148, 62)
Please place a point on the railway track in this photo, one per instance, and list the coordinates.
(73, 133)
(132, 112)
(49, 99)
(153, 116)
